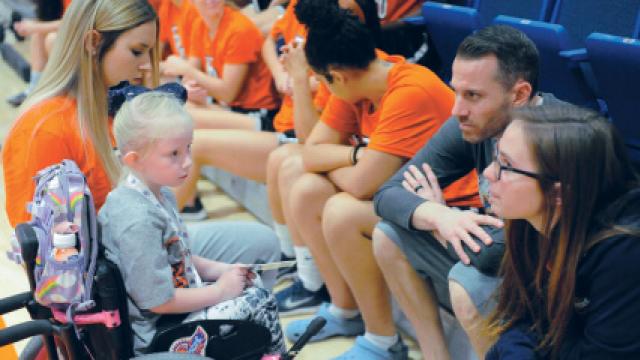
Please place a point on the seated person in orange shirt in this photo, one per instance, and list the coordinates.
(225, 63)
(396, 105)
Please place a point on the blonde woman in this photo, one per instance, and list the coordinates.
(101, 43)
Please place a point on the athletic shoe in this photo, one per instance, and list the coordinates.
(364, 349)
(17, 99)
(195, 212)
(296, 299)
(335, 326)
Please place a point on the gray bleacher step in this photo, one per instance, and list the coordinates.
(253, 196)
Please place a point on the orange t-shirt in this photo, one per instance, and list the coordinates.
(410, 112)
(392, 10)
(236, 41)
(188, 16)
(289, 28)
(44, 135)
(170, 15)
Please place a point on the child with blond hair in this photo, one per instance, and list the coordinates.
(145, 238)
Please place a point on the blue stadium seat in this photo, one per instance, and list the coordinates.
(616, 64)
(560, 75)
(582, 17)
(530, 9)
(448, 25)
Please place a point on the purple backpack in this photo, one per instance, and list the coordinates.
(62, 198)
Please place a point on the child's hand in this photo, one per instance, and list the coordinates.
(233, 282)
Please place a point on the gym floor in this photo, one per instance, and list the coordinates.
(218, 205)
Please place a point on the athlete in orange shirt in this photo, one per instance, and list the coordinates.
(58, 122)
(226, 45)
(399, 106)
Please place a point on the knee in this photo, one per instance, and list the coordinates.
(290, 168)
(385, 250)
(277, 156)
(310, 191)
(463, 307)
(337, 218)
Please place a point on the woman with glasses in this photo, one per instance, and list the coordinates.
(562, 181)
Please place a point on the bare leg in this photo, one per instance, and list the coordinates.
(240, 152)
(38, 52)
(308, 197)
(274, 163)
(470, 319)
(291, 169)
(416, 298)
(347, 224)
(49, 40)
(215, 117)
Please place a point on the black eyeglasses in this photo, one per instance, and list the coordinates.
(502, 167)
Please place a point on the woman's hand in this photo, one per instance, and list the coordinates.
(294, 60)
(175, 66)
(195, 93)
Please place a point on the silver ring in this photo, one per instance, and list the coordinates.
(417, 188)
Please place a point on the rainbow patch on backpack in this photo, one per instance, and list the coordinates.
(194, 344)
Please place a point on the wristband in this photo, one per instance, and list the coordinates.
(354, 152)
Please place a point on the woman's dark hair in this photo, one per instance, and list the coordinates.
(336, 38)
(571, 145)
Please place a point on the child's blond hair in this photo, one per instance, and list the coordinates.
(148, 117)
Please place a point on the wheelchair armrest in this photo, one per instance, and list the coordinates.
(575, 55)
(15, 302)
(26, 330)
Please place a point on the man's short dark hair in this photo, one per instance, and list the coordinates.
(517, 55)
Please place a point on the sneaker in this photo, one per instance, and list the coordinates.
(195, 212)
(363, 349)
(334, 326)
(17, 99)
(296, 299)
(286, 273)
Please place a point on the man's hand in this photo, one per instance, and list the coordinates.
(424, 185)
(456, 227)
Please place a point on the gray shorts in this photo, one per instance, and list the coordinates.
(432, 261)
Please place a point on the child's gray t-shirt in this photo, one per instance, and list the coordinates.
(139, 240)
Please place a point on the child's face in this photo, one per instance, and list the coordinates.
(167, 161)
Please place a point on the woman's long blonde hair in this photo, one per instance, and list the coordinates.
(72, 70)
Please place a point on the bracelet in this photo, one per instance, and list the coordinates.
(354, 152)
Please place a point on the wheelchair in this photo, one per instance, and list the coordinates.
(104, 332)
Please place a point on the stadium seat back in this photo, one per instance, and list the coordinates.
(616, 64)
